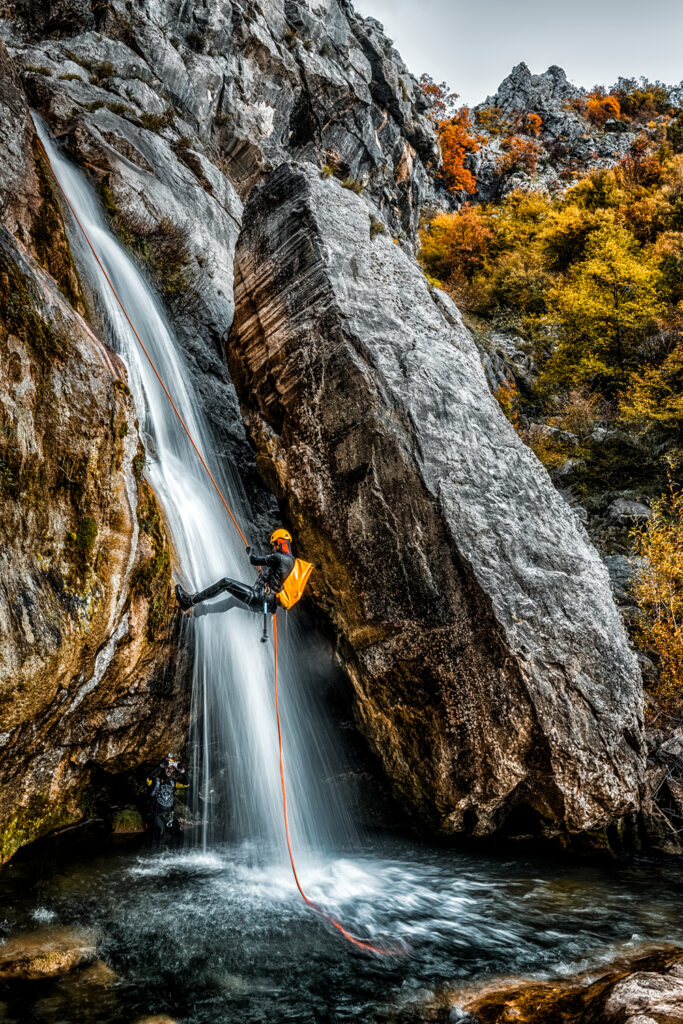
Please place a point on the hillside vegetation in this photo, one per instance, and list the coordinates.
(576, 295)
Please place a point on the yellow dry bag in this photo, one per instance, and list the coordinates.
(294, 585)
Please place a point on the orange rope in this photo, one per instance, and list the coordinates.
(313, 906)
(310, 903)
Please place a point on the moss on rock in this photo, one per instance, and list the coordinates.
(153, 578)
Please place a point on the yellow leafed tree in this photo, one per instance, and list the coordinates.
(658, 589)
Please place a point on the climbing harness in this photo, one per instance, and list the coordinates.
(298, 583)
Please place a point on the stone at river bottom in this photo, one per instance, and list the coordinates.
(46, 953)
(492, 673)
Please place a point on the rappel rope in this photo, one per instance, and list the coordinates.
(318, 910)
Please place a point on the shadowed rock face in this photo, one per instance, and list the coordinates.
(492, 672)
(87, 637)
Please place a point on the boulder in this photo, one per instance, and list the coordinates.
(622, 570)
(491, 670)
(46, 953)
(623, 512)
(648, 990)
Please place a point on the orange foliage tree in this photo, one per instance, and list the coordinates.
(601, 107)
(518, 155)
(454, 245)
(454, 132)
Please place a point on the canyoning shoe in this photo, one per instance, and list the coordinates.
(183, 598)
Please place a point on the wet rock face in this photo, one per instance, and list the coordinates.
(176, 111)
(87, 633)
(567, 142)
(491, 669)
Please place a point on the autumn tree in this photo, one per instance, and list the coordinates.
(454, 132)
(454, 245)
(607, 301)
(674, 133)
(655, 396)
(443, 101)
(641, 101)
(601, 107)
(519, 154)
(658, 589)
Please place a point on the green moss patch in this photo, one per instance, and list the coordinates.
(153, 579)
(40, 816)
(49, 238)
(161, 248)
(21, 311)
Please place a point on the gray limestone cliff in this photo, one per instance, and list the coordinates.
(88, 638)
(492, 672)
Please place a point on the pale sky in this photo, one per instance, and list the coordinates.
(473, 46)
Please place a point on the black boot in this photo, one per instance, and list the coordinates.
(183, 598)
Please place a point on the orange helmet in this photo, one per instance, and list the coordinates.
(280, 536)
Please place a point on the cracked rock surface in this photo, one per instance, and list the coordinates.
(492, 672)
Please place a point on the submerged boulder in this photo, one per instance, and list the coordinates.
(491, 669)
(46, 953)
(648, 990)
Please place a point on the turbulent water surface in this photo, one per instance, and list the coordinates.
(222, 935)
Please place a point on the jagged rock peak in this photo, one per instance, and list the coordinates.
(523, 91)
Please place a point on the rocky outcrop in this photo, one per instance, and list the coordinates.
(566, 146)
(86, 633)
(491, 669)
(649, 990)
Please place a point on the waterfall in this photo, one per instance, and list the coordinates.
(236, 764)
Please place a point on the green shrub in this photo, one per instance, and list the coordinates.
(155, 122)
(352, 185)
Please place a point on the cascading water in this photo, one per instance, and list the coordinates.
(237, 761)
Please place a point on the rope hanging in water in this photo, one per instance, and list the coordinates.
(310, 903)
(318, 910)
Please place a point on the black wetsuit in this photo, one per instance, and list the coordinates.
(262, 596)
(162, 800)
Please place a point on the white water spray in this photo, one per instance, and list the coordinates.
(237, 761)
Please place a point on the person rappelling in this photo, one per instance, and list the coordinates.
(281, 581)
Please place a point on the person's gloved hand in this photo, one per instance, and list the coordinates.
(248, 549)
